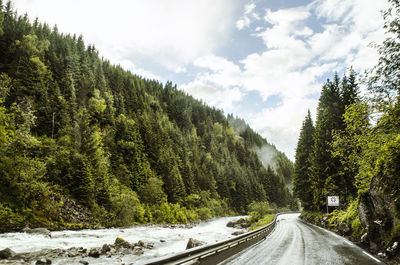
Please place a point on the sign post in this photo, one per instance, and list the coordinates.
(332, 201)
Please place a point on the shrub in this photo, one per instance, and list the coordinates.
(257, 210)
(9, 220)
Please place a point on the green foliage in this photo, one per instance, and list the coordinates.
(389, 166)
(354, 157)
(173, 214)
(152, 192)
(302, 173)
(258, 210)
(320, 170)
(132, 150)
(348, 216)
(263, 221)
(383, 81)
(10, 220)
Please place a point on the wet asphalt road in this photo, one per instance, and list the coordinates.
(294, 242)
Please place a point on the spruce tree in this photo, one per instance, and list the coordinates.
(302, 173)
(324, 166)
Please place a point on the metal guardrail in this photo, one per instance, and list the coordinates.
(220, 251)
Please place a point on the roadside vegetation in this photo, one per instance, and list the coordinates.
(353, 151)
(261, 214)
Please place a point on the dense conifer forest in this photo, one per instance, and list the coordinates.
(353, 151)
(116, 148)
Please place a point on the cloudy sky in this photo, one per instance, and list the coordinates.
(261, 60)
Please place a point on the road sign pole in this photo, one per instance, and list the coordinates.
(327, 207)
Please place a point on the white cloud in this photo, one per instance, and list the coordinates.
(295, 59)
(129, 66)
(219, 84)
(249, 15)
(214, 95)
(283, 128)
(175, 31)
(182, 34)
(287, 23)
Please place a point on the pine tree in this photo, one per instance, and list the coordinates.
(323, 166)
(302, 173)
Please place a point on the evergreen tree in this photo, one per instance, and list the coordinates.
(73, 125)
(324, 167)
(302, 174)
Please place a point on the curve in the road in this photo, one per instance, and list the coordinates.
(294, 242)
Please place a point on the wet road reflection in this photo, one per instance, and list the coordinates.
(296, 242)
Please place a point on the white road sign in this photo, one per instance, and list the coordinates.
(333, 200)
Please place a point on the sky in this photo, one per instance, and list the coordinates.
(261, 60)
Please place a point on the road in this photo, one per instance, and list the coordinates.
(296, 242)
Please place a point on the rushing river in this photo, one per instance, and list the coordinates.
(166, 241)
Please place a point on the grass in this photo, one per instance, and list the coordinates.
(266, 219)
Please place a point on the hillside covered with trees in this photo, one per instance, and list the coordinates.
(85, 142)
(353, 151)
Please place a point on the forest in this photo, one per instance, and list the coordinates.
(85, 143)
(353, 150)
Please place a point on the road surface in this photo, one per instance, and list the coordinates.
(295, 242)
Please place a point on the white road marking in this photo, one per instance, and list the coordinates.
(369, 255)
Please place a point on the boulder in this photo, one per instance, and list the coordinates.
(194, 243)
(84, 262)
(6, 253)
(120, 242)
(237, 233)
(106, 248)
(43, 261)
(39, 231)
(73, 252)
(231, 224)
(140, 243)
(376, 211)
(239, 224)
(94, 252)
(150, 245)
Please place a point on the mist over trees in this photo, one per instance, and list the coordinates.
(128, 149)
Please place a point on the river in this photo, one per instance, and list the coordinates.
(166, 241)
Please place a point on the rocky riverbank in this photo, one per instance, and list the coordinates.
(121, 247)
(136, 244)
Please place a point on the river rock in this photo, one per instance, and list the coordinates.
(194, 243)
(84, 262)
(140, 243)
(236, 233)
(39, 231)
(119, 241)
(239, 224)
(150, 245)
(73, 252)
(94, 252)
(6, 253)
(43, 261)
(106, 248)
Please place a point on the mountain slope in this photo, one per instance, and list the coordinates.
(127, 149)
